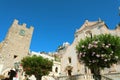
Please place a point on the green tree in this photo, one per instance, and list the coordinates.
(37, 66)
(99, 52)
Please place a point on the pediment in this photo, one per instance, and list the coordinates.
(87, 24)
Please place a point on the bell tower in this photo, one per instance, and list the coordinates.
(16, 44)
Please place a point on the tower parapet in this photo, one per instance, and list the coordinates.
(24, 25)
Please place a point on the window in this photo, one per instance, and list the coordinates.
(56, 69)
(69, 59)
(15, 56)
(88, 33)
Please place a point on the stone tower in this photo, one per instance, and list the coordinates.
(16, 45)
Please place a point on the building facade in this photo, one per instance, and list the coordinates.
(17, 42)
(15, 46)
(56, 68)
(70, 64)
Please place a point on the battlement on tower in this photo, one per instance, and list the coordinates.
(16, 23)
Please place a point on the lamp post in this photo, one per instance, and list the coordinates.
(17, 68)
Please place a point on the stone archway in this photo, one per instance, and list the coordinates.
(5, 72)
(9, 73)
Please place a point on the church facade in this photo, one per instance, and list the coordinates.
(70, 64)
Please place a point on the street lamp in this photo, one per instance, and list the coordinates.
(18, 69)
(16, 66)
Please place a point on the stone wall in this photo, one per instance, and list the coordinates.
(88, 29)
(16, 44)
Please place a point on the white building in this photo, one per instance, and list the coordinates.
(56, 68)
(69, 61)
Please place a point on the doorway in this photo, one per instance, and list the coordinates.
(69, 72)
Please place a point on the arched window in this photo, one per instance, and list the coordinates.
(56, 69)
(88, 34)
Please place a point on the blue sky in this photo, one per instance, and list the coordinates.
(55, 21)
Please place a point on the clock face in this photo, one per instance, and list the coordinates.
(22, 32)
